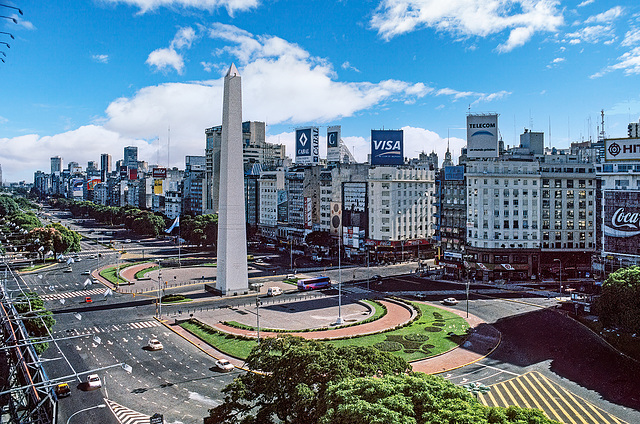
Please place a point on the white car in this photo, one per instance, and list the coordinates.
(93, 381)
(86, 272)
(224, 365)
(450, 301)
(155, 344)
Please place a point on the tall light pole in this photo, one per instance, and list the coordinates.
(339, 321)
(102, 405)
(159, 289)
(560, 262)
(256, 287)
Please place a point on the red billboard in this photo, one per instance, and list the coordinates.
(622, 221)
(133, 174)
(159, 172)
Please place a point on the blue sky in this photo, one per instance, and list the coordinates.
(84, 77)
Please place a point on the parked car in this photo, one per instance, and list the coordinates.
(224, 365)
(155, 344)
(93, 381)
(88, 299)
(62, 390)
(450, 301)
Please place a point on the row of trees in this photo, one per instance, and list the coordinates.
(22, 228)
(37, 320)
(305, 381)
(619, 304)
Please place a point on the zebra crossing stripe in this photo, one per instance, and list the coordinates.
(125, 415)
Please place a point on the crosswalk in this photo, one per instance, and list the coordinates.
(72, 294)
(533, 390)
(125, 415)
(115, 327)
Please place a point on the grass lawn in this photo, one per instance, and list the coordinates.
(111, 273)
(425, 337)
(37, 266)
(140, 274)
(227, 344)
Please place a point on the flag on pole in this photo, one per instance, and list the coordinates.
(176, 223)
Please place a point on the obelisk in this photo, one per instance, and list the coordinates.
(232, 237)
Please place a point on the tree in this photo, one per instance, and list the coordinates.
(619, 303)
(68, 241)
(37, 321)
(414, 398)
(295, 373)
(319, 238)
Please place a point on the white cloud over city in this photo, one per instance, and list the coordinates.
(231, 6)
(470, 18)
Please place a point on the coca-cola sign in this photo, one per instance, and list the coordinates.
(622, 221)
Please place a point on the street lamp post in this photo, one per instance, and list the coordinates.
(102, 405)
(560, 262)
(159, 291)
(12, 7)
(256, 287)
(339, 321)
(9, 34)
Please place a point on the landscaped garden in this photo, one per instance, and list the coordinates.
(433, 332)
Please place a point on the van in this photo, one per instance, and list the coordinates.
(274, 291)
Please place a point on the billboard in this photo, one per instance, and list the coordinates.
(482, 136)
(77, 187)
(387, 147)
(91, 184)
(133, 174)
(307, 145)
(283, 206)
(308, 213)
(333, 143)
(354, 210)
(454, 173)
(336, 218)
(159, 173)
(157, 186)
(622, 149)
(622, 221)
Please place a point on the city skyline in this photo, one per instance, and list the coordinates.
(131, 72)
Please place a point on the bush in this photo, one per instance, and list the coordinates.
(388, 346)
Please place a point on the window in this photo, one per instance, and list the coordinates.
(558, 194)
(545, 194)
(545, 182)
(569, 183)
(569, 194)
(558, 183)
(570, 224)
(506, 223)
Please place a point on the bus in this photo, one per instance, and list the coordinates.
(321, 282)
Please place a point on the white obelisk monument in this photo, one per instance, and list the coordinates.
(232, 237)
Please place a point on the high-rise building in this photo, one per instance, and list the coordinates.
(56, 164)
(130, 157)
(105, 166)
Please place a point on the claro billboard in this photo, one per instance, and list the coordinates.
(482, 136)
(621, 221)
(387, 147)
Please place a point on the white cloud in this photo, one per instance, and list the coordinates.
(608, 16)
(231, 5)
(629, 62)
(464, 18)
(555, 62)
(479, 97)
(632, 37)
(163, 59)
(585, 3)
(590, 34)
(347, 65)
(100, 58)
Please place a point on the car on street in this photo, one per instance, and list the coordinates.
(420, 296)
(155, 344)
(68, 270)
(87, 272)
(88, 299)
(62, 390)
(274, 291)
(450, 301)
(224, 365)
(93, 381)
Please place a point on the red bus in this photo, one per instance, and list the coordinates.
(314, 283)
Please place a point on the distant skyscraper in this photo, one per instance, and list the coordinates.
(232, 237)
(0, 175)
(56, 164)
(131, 157)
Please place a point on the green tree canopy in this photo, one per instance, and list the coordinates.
(319, 238)
(37, 321)
(295, 373)
(619, 303)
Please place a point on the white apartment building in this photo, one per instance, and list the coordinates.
(401, 203)
(270, 184)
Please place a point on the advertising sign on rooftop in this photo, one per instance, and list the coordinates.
(387, 147)
(622, 221)
(482, 136)
(307, 145)
(333, 143)
(621, 149)
(159, 173)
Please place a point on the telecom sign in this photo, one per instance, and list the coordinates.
(333, 144)
(307, 145)
(387, 147)
(622, 149)
(482, 136)
(621, 221)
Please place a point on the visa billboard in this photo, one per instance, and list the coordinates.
(482, 136)
(387, 147)
(307, 145)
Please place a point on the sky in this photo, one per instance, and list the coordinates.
(85, 77)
